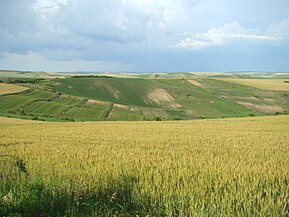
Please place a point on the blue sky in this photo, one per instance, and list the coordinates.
(144, 35)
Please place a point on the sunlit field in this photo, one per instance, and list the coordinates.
(266, 84)
(225, 167)
(10, 88)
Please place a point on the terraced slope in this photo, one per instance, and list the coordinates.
(178, 97)
(125, 91)
(15, 102)
(98, 98)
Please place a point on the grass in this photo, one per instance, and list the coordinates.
(203, 101)
(214, 99)
(17, 101)
(147, 99)
(124, 114)
(56, 107)
(45, 108)
(69, 100)
(39, 94)
(225, 167)
(82, 113)
(124, 91)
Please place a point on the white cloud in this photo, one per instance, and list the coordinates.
(139, 32)
(48, 3)
(281, 29)
(119, 21)
(224, 35)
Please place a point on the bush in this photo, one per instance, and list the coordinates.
(251, 115)
(22, 112)
(201, 117)
(157, 118)
(281, 113)
(26, 80)
(177, 118)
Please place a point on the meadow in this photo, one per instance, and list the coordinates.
(217, 167)
(135, 99)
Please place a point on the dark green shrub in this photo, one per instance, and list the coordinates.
(157, 118)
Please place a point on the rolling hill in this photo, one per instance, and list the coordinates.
(98, 97)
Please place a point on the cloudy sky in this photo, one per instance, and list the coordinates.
(144, 35)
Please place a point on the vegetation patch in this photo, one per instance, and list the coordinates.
(139, 99)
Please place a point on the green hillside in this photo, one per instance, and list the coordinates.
(120, 90)
(93, 98)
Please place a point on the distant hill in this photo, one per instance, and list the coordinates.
(104, 97)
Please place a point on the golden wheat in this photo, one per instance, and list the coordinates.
(205, 167)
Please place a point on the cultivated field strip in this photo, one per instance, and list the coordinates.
(10, 88)
(266, 84)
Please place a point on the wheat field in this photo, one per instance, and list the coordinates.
(10, 88)
(265, 84)
(225, 167)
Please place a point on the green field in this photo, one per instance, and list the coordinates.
(14, 102)
(213, 98)
(149, 97)
(128, 91)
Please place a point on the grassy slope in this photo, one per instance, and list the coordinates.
(129, 99)
(236, 92)
(15, 102)
(214, 99)
(202, 101)
(128, 91)
(55, 107)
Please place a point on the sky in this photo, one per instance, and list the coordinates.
(144, 35)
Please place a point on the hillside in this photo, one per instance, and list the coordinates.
(89, 98)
